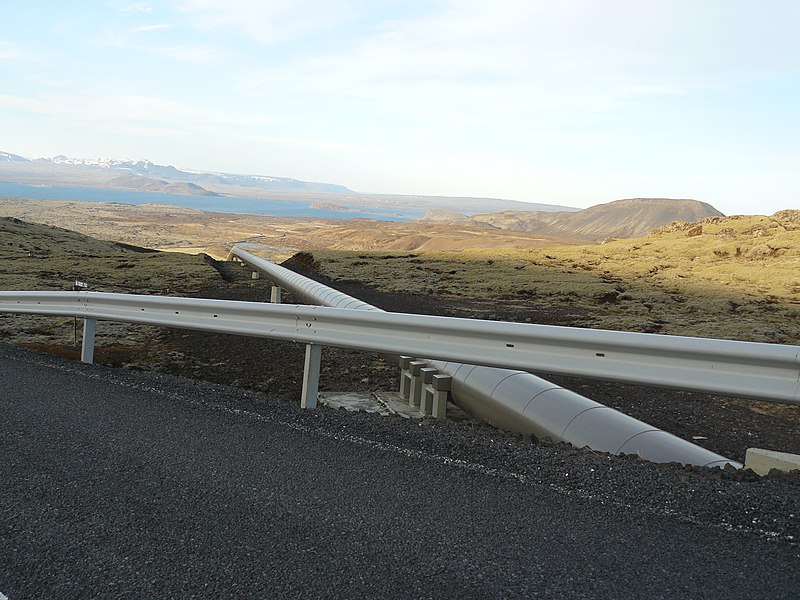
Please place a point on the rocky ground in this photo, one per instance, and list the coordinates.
(725, 425)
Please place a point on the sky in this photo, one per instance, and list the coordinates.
(572, 102)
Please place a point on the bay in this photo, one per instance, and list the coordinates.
(254, 206)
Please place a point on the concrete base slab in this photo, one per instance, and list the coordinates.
(353, 401)
(396, 404)
(761, 461)
(383, 403)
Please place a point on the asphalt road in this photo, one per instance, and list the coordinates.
(119, 484)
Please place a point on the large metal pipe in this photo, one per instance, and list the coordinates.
(520, 401)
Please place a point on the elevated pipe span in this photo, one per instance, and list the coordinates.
(517, 400)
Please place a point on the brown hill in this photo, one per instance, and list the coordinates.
(437, 214)
(723, 277)
(620, 219)
(44, 257)
(173, 227)
(148, 184)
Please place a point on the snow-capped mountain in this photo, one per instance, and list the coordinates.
(89, 162)
(8, 157)
(204, 178)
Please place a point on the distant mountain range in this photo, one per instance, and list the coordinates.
(170, 174)
(7, 157)
(622, 218)
(627, 218)
(129, 174)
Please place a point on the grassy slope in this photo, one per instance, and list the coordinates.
(42, 257)
(734, 278)
(169, 228)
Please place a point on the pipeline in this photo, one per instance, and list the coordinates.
(517, 400)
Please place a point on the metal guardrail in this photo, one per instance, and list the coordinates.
(742, 369)
(516, 400)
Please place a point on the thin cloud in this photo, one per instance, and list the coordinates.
(143, 131)
(155, 27)
(295, 142)
(657, 90)
(631, 46)
(270, 22)
(195, 53)
(523, 65)
(10, 51)
(142, 7)
(189, 53)
(52, 83)
(96, 107)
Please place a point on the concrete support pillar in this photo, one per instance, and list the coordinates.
(275, 296)
(311, 376)
(426, 397)
(405, 375)
(415, 390)
(87, 349)
(441, 389)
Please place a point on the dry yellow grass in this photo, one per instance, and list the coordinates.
(734, 278)
(181, 229)
(42, 257)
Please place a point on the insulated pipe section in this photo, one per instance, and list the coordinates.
(519, 401)
(522, 402)
(304, 289)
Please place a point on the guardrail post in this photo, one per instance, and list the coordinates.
(415, 389)
(405, 375)
(87, 349)
(311, 376)
(441, 389)
(426, 395)
(275, 296)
